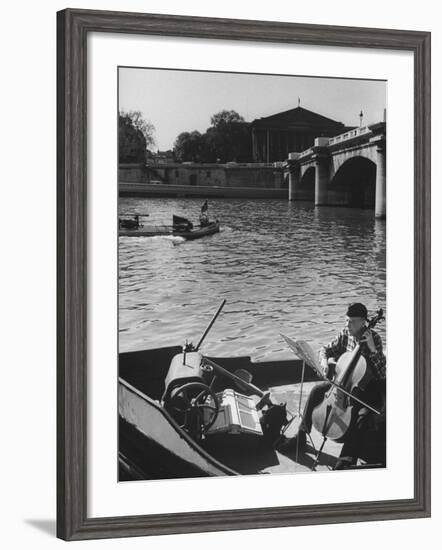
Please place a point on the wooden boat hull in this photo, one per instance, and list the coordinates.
(210, 229)
(146, 231)
(151, 444)
(163, 230)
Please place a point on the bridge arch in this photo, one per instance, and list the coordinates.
(354, 183)
(306, 187)
(339, 159)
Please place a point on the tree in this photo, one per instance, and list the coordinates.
(225, 118)
(228, 139)
(135, 135)
(144, 126)
(188, 147)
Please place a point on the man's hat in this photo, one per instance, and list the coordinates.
(357, 310)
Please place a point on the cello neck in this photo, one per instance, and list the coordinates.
(352, 362)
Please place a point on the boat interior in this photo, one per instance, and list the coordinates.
(234, 430)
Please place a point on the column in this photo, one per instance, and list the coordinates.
(268, 147)
(294, 173)
(381, 187)
(321, 180)
(254, 146)
(278, 178)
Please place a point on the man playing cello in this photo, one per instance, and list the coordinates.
(366, 437)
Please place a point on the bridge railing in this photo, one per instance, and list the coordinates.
(305, 153)
(327, 142)
(349, 135)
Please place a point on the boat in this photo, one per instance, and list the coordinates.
(186, 231)
(131, 221)
(165, 393)
(184, 414)
(146, 231)
(199, 231)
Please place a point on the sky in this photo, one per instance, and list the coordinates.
(176, 101)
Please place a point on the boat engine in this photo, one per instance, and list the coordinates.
(188, 397)
(190, 400)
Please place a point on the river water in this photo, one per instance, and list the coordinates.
(283, 267)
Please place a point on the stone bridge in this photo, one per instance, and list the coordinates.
(346, 170)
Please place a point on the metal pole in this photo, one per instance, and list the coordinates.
(210, 325)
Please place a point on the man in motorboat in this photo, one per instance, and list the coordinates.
(204, 216)
(355, 337)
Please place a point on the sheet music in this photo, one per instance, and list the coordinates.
(305, 352)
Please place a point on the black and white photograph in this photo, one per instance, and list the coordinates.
(251, 274)
(220, 232)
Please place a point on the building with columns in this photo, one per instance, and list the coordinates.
(275, 136)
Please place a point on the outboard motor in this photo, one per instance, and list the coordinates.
(185, 368)
(187, 396)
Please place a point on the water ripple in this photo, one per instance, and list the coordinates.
(283, 267)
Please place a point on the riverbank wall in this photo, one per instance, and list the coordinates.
(254, 180)
(129, 189)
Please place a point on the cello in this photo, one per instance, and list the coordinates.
(335, 415)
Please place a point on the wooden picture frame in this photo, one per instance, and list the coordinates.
(73, 27)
